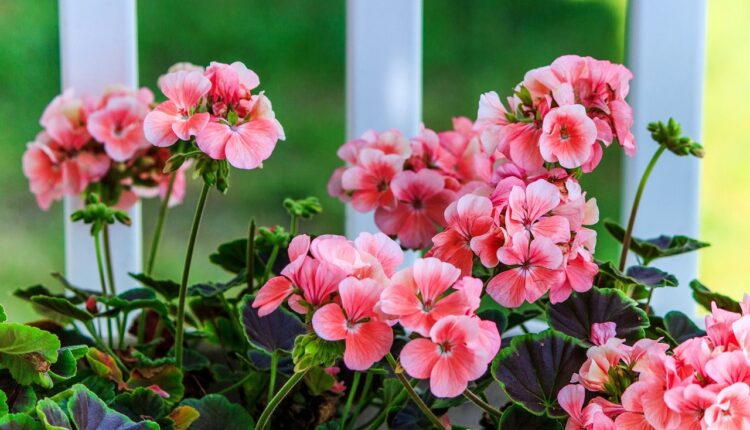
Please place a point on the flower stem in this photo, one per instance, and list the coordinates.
(180, 330)
(482, 404)
(237, 384)
(100, 343)
(250, 255)
(412, 393)
(270, 263)
(636, 202)
(274, 402)
(365, 391)
(111, 277)
(272, 377)
(350, 399)
(159, 225)
(103, 283)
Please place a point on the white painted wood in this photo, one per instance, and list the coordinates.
(666, 52)
(383, 75)
(98, 46)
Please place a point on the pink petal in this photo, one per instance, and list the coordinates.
(251, 144)
(433, 277)
(418, 357)
(359, 297)
(399, 299)
(367, 344)
(157, 126)
(508, 288)
(185, 88)
(272, 294)
(184, 128)
(451, 374)
(213, 139)
(329, 322)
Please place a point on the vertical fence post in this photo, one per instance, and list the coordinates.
(98, 48)
(666, 52)
(383, 75)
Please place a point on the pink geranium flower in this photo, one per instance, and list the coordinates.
(369, 181)
(535, 268)
(529, 211)
(422, 199)
(730, 410)
(64, 120)
(691, 402)
(246, 143)
(568, 136)
(592, 417)
(419, 295)
(177, 117)
(467, 218)
(445, 358)
(355, 321)
(230, 82)
(119, 126)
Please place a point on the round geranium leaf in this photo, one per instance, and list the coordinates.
(216, 412)
(273, 332)
(575, 316)
(516, 417)
(535, 367)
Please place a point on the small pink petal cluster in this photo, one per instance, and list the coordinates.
(86, 140)
(354, 294)
(703, 383)
(560, 114)
(216, 107)
(409, 183)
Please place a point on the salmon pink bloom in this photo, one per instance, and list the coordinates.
(230, 82)
(691, 402)
(176, 118)
(446, 357)
(119, 126)
(64, 120)
(632, 402)
(520, 143)
(528, 211)
(369, 181)
(367, 339)
(419, 295)
(467, 218)
(382, 248)
(594, 373)
(535, 268)
(422, 199)
(730, 410)
(592, 417)
(568, 136)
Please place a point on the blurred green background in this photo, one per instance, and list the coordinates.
(297, 48)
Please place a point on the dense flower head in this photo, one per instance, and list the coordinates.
(702, 383)
(217, 108)
(90, 140)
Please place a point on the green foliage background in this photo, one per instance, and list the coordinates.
(298, 49)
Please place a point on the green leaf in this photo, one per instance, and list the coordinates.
(139, 403)
(3, 316)
(681, 327)
(102, 387)
(167, 377)
(90, 412)
(137, 298)
(535, 367)
(34, 290)
(52, 415)
(64, 307)
(218, 413)
(659, 247)
(575, 316)
(704, 297)
(183, 417)
(28, 352)
(166, 288)
(231, 256)
(104, 365)
(652, 277)
(19, 422)
(4, 409)
(211, 289)
(516, 417)
(318, 381)
(23, 401)
(67, 362)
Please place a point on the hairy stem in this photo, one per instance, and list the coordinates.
(111, 278)
(250, 256)
(272, 377)
(180, 330)
(636, 202)
(274, 402)
(350, 399)
(103, 283)
(159, 225)
(363, 397)
(482, 404)
(412, 393)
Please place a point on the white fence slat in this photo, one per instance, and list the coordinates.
(98, 46)
(383, 75)
(666, 52)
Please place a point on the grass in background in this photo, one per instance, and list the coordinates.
(297, 48)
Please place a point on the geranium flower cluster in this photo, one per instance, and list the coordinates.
(350, 291)
(217, 108)
(703, 383)
(88, 140)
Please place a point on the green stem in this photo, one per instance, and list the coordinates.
(103, 283)
(251, 256)
(383, 414)
(111, 277)
(350, 399)
(636, 202)
(180, 330)
(232, 315)
(271, 406)
(293, 226)
(159, 225)
(272, 377)
(142, 326)
(365, 391)
(482, 404)
(412, 393)
(270, 262)
(100, 343)
(648, 301)
(237, 384)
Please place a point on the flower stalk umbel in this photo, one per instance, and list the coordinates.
(505, 232)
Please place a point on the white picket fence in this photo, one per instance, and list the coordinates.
(666, 47)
